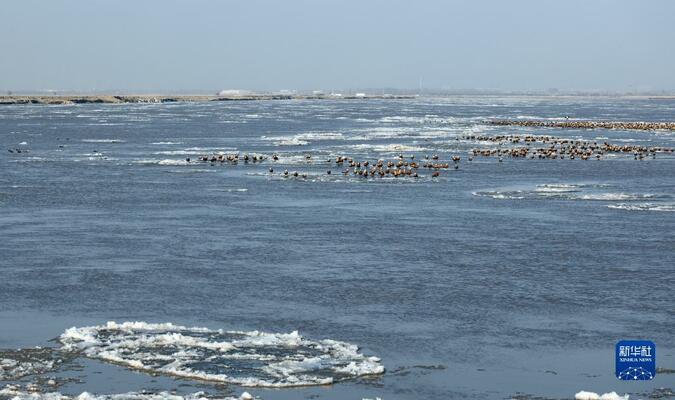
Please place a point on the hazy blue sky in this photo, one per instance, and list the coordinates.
(161, 45)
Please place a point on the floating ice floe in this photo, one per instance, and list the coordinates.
(243, 358)
(583, 395)
(16, 364)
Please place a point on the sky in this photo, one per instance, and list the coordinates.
(268, 45)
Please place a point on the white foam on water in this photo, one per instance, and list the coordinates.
(663, 207)
(385, 148)
(230, 190)
(15, 393)
(315, 136)
(172, 162)
(557, 188)
(177, 152)
(30, 159)
(96, 158)
(199, 150)
(583, 395)
(427, 119)
(207, 149)
(534, 117)
(290, 141)
(191, 170)
(380, 133)
(299, 159)
(92, 156)
(612, 196)
(576, 192)
(506, 195)
(625, 140)
(102, 141)
(151, 161)
(244, 358)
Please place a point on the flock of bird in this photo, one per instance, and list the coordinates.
(586, 124)
(553, 147)
(527, 147)
(499, 146)
(400, 167)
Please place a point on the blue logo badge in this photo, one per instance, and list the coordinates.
(635, 360)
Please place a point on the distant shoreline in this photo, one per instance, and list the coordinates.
(47, 99)
(150, 99)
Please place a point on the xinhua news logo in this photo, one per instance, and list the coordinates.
(635, 360)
